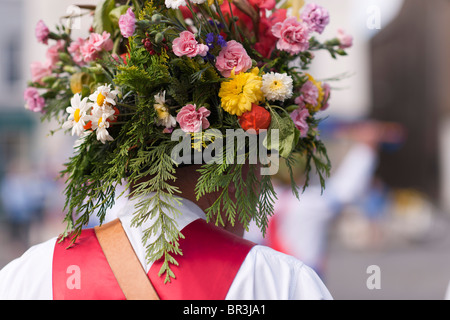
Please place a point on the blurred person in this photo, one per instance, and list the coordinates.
(374, 206)
(299, 227)
(22, 198)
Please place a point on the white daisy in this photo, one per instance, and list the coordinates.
(100, 123)
(102, 132)
(78, 115)
(104, 96)
(175, 4)
(277, 86)
(164, 117)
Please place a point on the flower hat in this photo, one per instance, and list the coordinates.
(196, 69)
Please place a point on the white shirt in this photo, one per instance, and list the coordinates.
(264, 275)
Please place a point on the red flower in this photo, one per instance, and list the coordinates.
(113, 118)
(124, 57)
(267, 41)
(257, 119)
(88, 126)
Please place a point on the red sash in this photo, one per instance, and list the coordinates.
(211, 259)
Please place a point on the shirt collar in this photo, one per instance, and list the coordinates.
(188, 213)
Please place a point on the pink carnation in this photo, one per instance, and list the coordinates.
(299, 117)
(186, 45)
(233, 56)
(309, 95)
(34, 101)
(40, 70)
(75, 50)
(53, 52)
(95, 44)
(317, 17)
(345, 40)
(293, 35)
(127, 23)
(42, 32)
(193, 120)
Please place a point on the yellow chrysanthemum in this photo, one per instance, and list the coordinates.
(241, 91)
(211, 2)
(318, 85)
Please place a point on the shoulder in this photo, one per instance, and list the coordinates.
(29, 276)
(269, 274)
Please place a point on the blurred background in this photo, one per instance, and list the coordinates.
(397, 218)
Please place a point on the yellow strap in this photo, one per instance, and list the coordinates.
(124, 263)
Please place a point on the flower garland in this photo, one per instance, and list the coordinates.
(150, 68)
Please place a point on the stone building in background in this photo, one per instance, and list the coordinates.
(410, 65)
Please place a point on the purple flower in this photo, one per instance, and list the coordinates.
(216, 24)
(210, 40)
(221, 41)
(42, 32)
(127, 23)
(317, 17)
(299, 116)
(33, 99)
(309, 95)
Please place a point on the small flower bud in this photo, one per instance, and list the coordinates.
(159, 37)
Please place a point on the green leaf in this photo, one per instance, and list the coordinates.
(288, 134)
(102, 21)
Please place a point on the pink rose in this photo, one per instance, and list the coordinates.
(95, 44)
(127, 23)
(299, 117)
(345, 40)
(40, 70)
(293, 35)
(186, 45)
(42, 32)
(193, 120)
(33, 99)
(233, 56)
(75, 50)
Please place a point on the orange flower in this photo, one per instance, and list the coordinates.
(257, 119)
